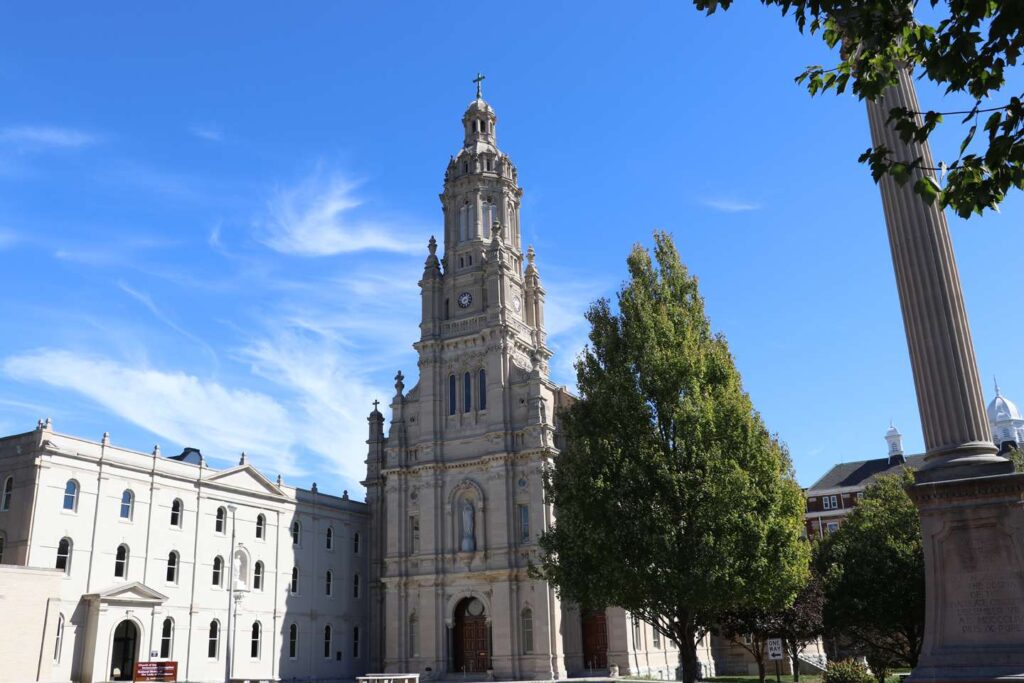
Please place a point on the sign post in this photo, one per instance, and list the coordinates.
(775, 653)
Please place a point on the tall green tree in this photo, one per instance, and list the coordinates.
(672, 500)
(967, 51)
(873, 572)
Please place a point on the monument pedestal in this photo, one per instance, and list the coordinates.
(973, 535)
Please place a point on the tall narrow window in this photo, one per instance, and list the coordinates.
(524, 522)
(3, 540)
(526, 630)
(172, 567)
(71, 495)
(58, 645)
(355, 586)
(481, 389)
(222, 521)
(213, 644)
(293, 641)
(254, 645)
(452, 400)
(329, 582)
(127, 504)
(294, 586)
(464, 221)
(355, 543)
(261, 527)
(257, 576)
(327, 641)
(656, 638)
(167, 638)
(64, 555)
(218, 570)
(636, 634)
(121, 561)
(5, 498)
(296, 532)
(176, 512)
(414, 533)
(329, 541)
(413, 640)
(467, 393)
(355, 641)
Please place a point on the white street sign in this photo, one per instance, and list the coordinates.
(774, 648)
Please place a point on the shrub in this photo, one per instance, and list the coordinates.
(847, 671)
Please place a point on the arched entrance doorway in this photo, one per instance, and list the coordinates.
(125, 651)
(471, 637)
(595, 639)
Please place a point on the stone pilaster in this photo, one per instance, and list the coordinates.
(949, 398)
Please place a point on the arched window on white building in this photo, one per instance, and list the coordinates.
(218, 571)
(293, 641)
(257, 576)
(327, 641)
(255, 642)
(213, 641)
(5, 498)
(127, 504)
(294, 586)
(177, 512)
(329, 583)
(261, 527)
(296, 532)
(71, 495)
(167, 638)
(355, 543)
(329, 541)
(121, 561)
(172, 567)
(64, 555)
(221, 523)
(526, 630)
(59, 643)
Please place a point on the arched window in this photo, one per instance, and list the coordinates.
(296, 532)
(167, 638)
(355, 586)
(127, 504)
(64, 554)
(5, 498)
(177, 511)
(218, 570)
(213, 644)
(481, 389)
(330, 538)
(222, 518)
(261, 527)
(121, 561)
(254, 644)
(294, 587)
(526, 630)
(172, 567)
(329, 581)
(293, 641)
(59, 642)
(71, 495)
(257, 576)
(413, 639)
(467, 393)
(451, 395)
(327, 641)
(355, 543)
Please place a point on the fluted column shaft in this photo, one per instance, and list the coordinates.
(953, 417)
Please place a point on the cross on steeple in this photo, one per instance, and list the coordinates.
(375, 404)
(479, 81)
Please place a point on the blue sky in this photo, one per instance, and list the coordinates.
(212, 219)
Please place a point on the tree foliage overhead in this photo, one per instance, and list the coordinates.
(672, 500)
(968, 52)
(873, 572)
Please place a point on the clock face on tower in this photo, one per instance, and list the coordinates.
(516, 303)
(465, 299)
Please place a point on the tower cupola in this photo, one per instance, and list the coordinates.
(479, 121)
(895, 441)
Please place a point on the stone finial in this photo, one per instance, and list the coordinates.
(106, 439)
(39, 425)
(344, 494)
(530, 255)
(244, 460)
(280, 481)
(432, 246)
(314, 489)
(156, 451)
(399, 383)
(47, 424)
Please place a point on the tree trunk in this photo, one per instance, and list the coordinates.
(760, 669)
(688, 654)
(795, 661)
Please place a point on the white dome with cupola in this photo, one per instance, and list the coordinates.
(1005, 420)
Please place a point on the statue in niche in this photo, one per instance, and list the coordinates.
(468, 543)
(240, 572)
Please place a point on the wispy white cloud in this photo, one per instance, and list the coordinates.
(160, 315)
(176, 406)
(208, 132)
(315, 218)
(729, 205)
(46, 136)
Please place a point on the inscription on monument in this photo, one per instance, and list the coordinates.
(987, 605)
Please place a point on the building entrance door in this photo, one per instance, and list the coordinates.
(472, 648)
(595, 640)
(125, 651)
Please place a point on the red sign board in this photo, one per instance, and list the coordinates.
(156, 671)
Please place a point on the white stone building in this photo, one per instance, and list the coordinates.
(454, 487)
(159, 558)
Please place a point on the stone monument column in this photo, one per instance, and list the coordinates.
(971, 504)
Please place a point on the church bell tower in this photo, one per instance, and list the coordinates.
(455, 488)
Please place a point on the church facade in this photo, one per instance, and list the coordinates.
(455, 485)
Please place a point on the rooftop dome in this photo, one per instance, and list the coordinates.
(1002, 409)
(479, 105)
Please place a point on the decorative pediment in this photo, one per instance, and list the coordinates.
(245, 477)
(135, 592)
